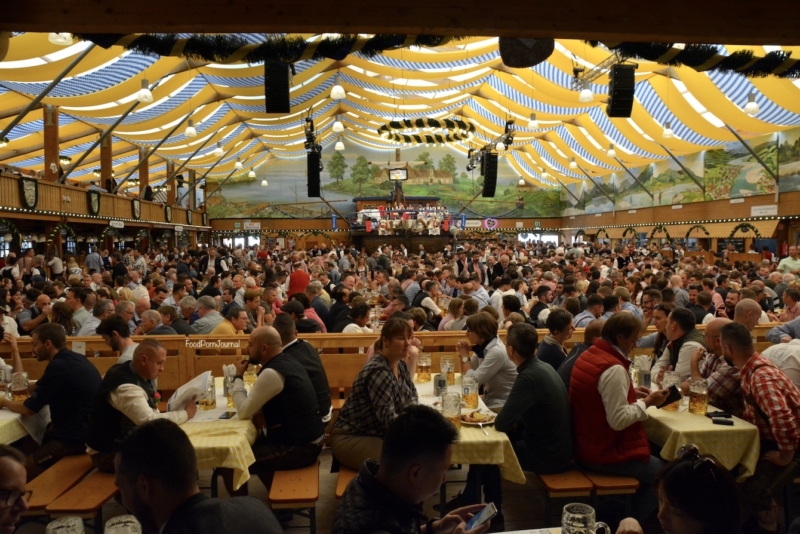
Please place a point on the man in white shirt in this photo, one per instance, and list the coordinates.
(7, 322)
(56, 266)
(684, 339)
(126, 399)
(75, 298)
(139, 291)
(101, 310)
(115, 332)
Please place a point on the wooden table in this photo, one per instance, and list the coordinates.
(730, 445)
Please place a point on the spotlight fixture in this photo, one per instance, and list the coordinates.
(611, 152)
(251, 174)
(144, 95)
(337, 92)
(3, 142)
(573, 164)
(264, 183)
(586, 93)
(190, 129)
(64, 160)
(668, 133)
(238, 164)
(533, 124)
(339, 145)
(60, 39)
(500, 146)
(218, 152)
(338, 127)
(751, 108)
(96, 172)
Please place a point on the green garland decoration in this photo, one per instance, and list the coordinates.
(745, 227)
(57, 230)
(697, 227)
(601, 231)
(703, 57)
(629, 230)
(141, 234)
(315, 233)
(235, 49)
(660, 228)
(111, 231)
(12, 229)
(579, 234)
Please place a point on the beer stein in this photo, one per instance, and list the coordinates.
(469, 387)
(66, 525)
(579, 518)
(698, 396)
(209, 400)
(424, 368)
(19, 386)
(447, 367)
(123, 524)
(672, 378)
(451, 408)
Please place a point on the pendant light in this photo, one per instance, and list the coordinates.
(264, 183)
(573, 164)
(190, 129)
(586, 93)
(611, 152)
(500, 146)
(218, 152)
(251, 174)
(339, 145)
(338, 127)
(751, 108)
(337, 92)
(533, 124)
(545, 175)
(60, 39)
(238, 164)
(668, 133)
(3, 142)
(144, 95)
(521, 182)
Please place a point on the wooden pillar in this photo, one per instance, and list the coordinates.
(172, 186)
(51, 145)
(106, 163)
(189, 184)
(144, 171)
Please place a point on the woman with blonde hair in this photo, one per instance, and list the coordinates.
(125, 294)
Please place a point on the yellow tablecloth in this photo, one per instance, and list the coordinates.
(222, 442)
(730, 445)
(475, 447)
(10, 427)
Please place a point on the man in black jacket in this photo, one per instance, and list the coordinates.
(170, 317)
(161, 489)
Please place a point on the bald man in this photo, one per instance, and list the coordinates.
(285, 398)
(748, 313)
(724, 382)
(681, 296)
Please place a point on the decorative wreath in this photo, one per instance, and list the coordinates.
(601, 231)
(12, 229)
(697, 227)
(628, 230)
(490, 224)
(57, 230)
(579, 234)
(658, 229)
(141, 234)
(745, 227)
(315, 233)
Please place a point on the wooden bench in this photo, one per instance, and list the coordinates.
(297, 489)
(345, 476)
(562, 485)
(613, 485)
(86, 499)
(56, 481)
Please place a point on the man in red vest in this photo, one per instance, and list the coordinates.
(607, 411)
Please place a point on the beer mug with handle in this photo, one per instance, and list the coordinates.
(579, 518)
(123, 524)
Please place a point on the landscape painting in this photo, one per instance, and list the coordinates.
(733, 172)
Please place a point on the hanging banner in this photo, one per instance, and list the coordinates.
(333, 221)
(463, 220)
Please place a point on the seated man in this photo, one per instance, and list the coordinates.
(151, 325)
(171, 318)
(386, 496)
(773, 405)
(536, 415)
(209, 316)
(551, 349)
(233, 324)
(100, 310)
(785, 333)
(126, 399)
(13, 496)
(684, 340)
(786, 357)
(172, 503)
(592, 332)
(33, 316)
(285, 397)
(116, 333)
(68, 386)
(607, 411)
(594, 309)
(304, 325)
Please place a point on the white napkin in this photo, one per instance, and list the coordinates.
(36, 424)
(643, 362)
(229, 371)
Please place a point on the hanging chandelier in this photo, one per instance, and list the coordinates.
(427, 130)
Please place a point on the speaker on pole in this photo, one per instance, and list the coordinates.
(489, 171)
(312, 160)
(620, 90)
(276, 87)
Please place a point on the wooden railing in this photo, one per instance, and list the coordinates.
(52, 199)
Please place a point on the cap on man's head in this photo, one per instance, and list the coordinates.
(294, 307)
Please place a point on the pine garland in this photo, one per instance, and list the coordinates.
(660, 228)
(55, 231)
(629, 230)
(697, 227)
(601, 231)
(745, 227)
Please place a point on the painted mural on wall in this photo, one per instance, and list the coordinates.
(733, 172)
(363, 172)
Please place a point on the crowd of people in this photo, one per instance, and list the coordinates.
(558, 405)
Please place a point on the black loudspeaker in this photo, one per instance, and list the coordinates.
(276, 87)
(620, 91)
(489, 171)
(312, 159)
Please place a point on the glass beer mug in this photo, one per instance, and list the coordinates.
(451, 408)
(65, 525)
(469, 388)
(19, 386)
(209, 400)
(123, 524)
(579, 518)
(672, 378)
(447, 366)
(424, 368)
(698, 396)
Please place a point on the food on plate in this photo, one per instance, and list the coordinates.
(477, 417)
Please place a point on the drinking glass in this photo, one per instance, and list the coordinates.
(451, 408)
(672, 378)
(469, 387)
(19, 386)
(209, 400)
(65, 525)
(228, 387)
(424, 368)
(698, 396)
(579, 518)
(250, 375)
(123, 524)
(447, 366)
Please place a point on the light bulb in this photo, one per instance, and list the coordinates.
(521, 182)
(611, 152)
(751, 108)
(144, 95)
(339, 145)
(264, 183)
(218, 152)
(337, 92)
(190, 130)
(586, 93)
(251, 174)
(238, 164)
(668, 133)
(500, 146)
(3, 142)
(533, 124)
(573, 164)
(61, 39)
(338, 127)
(545, 175)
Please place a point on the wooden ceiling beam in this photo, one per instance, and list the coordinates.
(685, 21)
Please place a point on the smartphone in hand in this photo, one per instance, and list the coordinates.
(674, 395)
(488, 512)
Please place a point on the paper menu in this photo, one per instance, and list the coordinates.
(195, 387)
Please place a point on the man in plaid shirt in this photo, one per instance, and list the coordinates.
(724, 382)
(773, 405)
